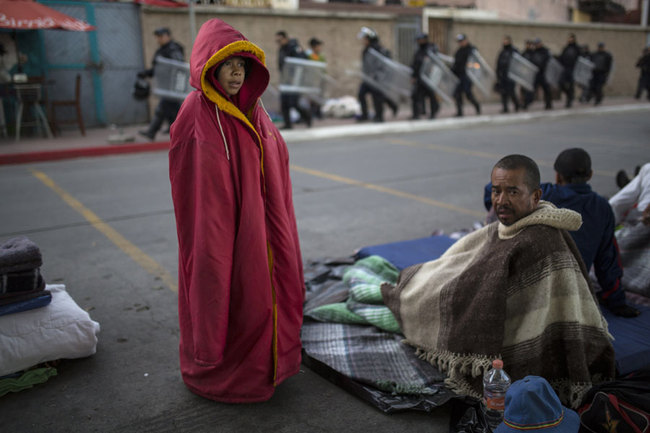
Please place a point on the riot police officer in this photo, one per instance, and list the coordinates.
(460, 69)
(289, 47)
(505, 85)
(420, 90)
(568, 59)
(540, 58)
(375, 72)
(602, 66)
(527, 96)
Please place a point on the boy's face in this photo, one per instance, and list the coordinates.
(232, 74)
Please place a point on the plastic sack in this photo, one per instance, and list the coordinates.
(468, 416)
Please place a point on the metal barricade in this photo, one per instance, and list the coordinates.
(480, 72)
(391, 78)
(553, 72)
(304, 77)
(438, 77)
(522, 71)
(583, 71)
(171, 79)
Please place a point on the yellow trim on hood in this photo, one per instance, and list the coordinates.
(221, 55)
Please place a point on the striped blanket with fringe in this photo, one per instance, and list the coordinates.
(519, 293)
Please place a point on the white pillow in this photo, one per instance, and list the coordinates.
(60, 330)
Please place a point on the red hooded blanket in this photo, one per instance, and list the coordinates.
(241, 286)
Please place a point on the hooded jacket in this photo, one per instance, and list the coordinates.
(241, 285)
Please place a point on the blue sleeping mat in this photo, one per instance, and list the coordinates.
(631, 339)
(631, 336)
(406, 253)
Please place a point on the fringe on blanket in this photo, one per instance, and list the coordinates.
(458, 367)
(572, 393)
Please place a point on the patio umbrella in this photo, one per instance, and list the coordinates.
(29, 15)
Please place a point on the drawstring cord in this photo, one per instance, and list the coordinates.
(264, 108)
(225, 143)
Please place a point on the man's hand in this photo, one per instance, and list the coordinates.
(625, 311)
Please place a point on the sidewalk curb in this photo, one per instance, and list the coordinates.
(55, 155)
(366, 129)
(330, 132)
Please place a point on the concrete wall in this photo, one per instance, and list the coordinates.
(338, 31)
(624, 42)
(530, 10)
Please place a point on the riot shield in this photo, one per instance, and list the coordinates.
(438, 77)
(448, 60)
(582, 71)
(391, 78)
(171, 79)
(553, 72)
(480, 72)
(522, 71)
(305, 77)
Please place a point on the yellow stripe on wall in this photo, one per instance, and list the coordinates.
(142, 259)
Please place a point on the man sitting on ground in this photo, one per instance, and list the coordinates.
(595, 238)
(515, 289)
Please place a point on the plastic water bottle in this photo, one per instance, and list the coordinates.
(495, 384)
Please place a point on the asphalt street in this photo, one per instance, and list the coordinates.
(106, 230)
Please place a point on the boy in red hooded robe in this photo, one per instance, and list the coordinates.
(241, 285)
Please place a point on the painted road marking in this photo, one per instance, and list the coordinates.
(387, 190)
(492, 156)
(139, 256)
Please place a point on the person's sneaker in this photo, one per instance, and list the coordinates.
(637, 169)
(146, 134)
(622, 179)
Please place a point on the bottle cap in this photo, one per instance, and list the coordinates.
(497, 363)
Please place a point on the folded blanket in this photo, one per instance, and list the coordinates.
(19, 254)
(364, 304)
(39, 301)
(12, 298)
(519, 293)
(21, 281)
(368, 355)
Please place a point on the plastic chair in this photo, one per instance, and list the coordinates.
(76, 102)
(29, 96)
